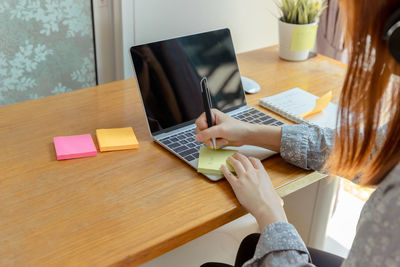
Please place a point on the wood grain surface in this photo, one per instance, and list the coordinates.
(122, 207)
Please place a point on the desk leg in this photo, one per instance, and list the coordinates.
(310, 208)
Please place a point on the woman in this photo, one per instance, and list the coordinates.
(366, 147)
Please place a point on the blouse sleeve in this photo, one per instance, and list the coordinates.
(280, 245)
(306, 145)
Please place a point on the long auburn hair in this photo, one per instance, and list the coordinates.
(370, 96)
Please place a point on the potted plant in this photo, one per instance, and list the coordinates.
(298, 24)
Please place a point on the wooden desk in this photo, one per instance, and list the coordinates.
(123, 207)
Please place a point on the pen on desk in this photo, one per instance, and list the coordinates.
(207, 105)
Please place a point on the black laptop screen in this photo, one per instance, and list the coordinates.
(169, 74)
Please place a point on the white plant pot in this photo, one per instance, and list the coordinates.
(291, 46)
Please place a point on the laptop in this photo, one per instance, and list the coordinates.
(169, 73)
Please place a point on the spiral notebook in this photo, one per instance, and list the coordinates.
(295, 102)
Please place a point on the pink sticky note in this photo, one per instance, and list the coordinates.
(75, 146)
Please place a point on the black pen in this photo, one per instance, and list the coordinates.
(207, 105)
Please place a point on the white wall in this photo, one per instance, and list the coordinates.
(251, 22)
(123, 23)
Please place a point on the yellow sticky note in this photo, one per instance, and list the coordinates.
(211, 160)
(116, 139)
(320, 104)
(303, 38)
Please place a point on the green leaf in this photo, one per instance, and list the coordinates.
(301, 11)
(305, 16)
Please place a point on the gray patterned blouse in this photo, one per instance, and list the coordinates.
(377, 241)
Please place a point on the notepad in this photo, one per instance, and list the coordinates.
(116, 139)
(300, 106)
(76, 146)
(211, 160)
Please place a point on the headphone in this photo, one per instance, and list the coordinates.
(391, 34)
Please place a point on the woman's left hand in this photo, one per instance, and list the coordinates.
(254, 190)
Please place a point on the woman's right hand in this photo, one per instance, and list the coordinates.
(227, 130)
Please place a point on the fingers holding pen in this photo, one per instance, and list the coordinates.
(220, 142)
(201, 123)
(208, 133)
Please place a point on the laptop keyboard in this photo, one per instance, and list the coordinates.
(183, 143)
(255, 116)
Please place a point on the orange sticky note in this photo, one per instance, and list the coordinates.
(116, 139)
(320, 104)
